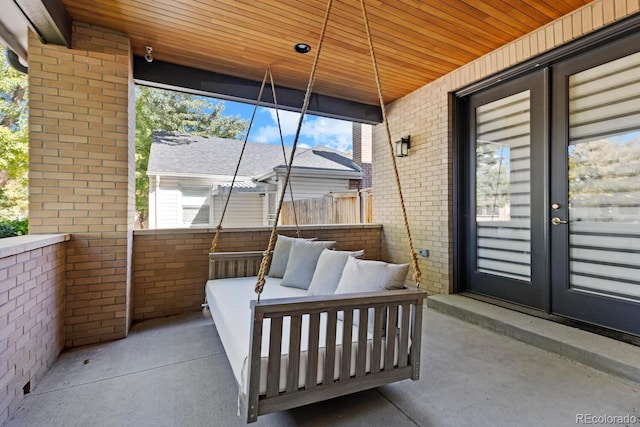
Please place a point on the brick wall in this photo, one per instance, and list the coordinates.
(171, 266)
(427, 172)
(31, 319)
(81, 164)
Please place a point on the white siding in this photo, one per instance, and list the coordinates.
(166, 204)
(311, 187)
(245, 210)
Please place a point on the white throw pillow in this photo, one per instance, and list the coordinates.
(280, 255)
(370, 276)
(329, 271)
(302, 262)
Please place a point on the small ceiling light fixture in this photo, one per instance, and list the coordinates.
(402, 146)
(148, 56)
(302, 48)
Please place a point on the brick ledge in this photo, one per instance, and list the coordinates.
(245, 229)
(16, 245)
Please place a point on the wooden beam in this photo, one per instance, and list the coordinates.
(48, 19)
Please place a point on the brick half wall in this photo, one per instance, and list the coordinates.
(171, 267)
(32, 283)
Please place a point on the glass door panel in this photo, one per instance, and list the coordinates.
(503, 195)
(604, 179)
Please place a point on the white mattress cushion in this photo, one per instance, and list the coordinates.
(229, 303)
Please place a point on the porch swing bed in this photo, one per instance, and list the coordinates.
(291, 348)
(325, 323)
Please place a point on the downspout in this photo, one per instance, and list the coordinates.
(155, 203)
(14, 61)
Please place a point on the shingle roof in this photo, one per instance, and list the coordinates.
(320, 157)
(201, 155)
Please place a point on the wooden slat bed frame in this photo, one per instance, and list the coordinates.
(402, 326)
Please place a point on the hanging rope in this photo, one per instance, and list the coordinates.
(417, 274)
(214, 242)
(267, 253)
(284, 153)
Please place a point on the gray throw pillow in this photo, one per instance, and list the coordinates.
(329, 271)
(302, 262)
(280, 255)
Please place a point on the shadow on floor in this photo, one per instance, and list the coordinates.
(174, 372)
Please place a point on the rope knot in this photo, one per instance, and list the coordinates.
(260, 285)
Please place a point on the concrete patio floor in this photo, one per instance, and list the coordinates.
(174, 372)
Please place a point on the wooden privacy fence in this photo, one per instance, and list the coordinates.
(334, 208)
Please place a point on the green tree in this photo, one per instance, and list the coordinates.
(163, 110)
(492, 176)
(14, 142)
(603, 178)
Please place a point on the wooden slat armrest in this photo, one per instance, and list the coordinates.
(234, 255)
(397, 361)
(302, 305)
(224, 265)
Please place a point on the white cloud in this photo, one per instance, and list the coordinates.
(336, 134)
(265, 134)
(329, 132)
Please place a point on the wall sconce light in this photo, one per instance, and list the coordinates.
(402, 146)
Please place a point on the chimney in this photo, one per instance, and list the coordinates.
(357, 143)
(362, 141)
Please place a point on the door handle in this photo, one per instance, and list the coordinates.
(557, 221)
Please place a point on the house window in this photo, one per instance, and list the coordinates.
(271, 208)
(196, 205)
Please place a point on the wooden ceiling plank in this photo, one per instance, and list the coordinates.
(512, 19)
(441, 51)
(416, 41)
(260, 71)
(171, 18)
(407, 26)
(459, 16)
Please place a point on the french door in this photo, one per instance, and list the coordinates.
(595, 191)
(552, 190)
(506, 242)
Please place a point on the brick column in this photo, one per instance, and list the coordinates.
(82, 170)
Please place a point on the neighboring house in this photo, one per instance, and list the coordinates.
(190, 178)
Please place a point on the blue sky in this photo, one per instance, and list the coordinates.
(315, 130)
